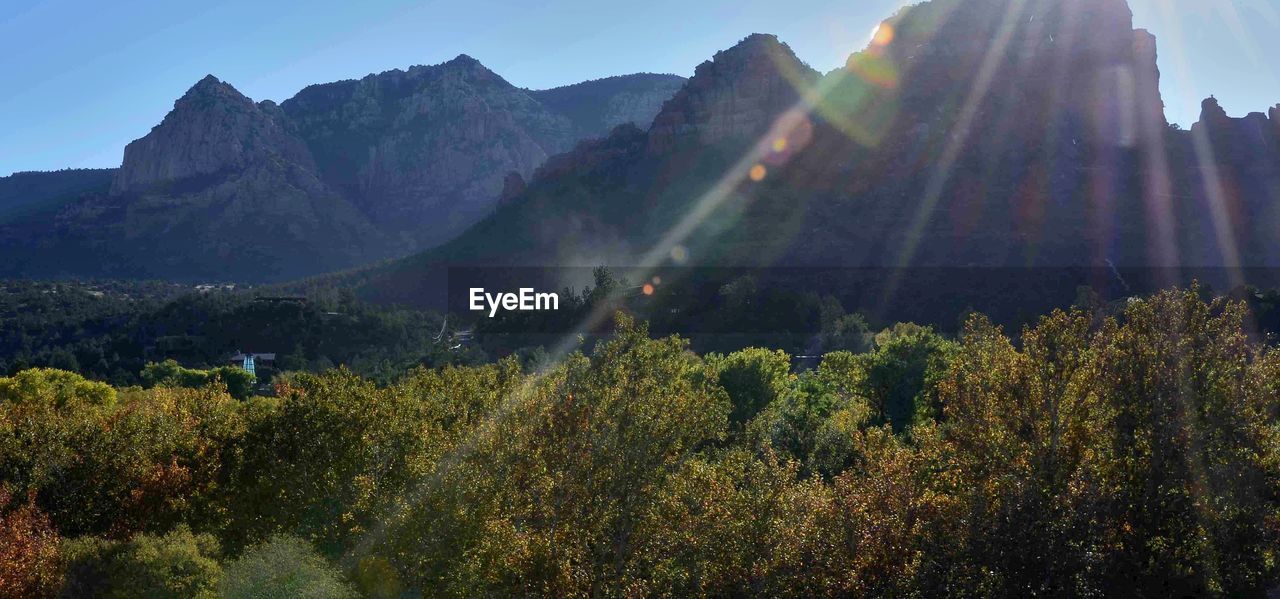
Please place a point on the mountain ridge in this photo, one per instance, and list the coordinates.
(970, 135)
(386, 164)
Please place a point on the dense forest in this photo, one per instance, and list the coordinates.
(110, 330)
(1088, 454)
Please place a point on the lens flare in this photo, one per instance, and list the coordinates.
(882, 35)
(758, 172)
(679, 254)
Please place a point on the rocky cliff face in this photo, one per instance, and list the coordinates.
(424, 151)
(1024, 133)
(212, 129)
(1229, 173)
(734, 96)
(222, 189)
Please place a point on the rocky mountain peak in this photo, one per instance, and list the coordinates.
(210, 84)
(211, 89)
(735, 95)
(1211, 111)
(212, 128)
(464, 60)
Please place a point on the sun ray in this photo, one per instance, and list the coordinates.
(959, 135)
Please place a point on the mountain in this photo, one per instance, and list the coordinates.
(969, 133)
(25, 192)
(222, 188)
(212, 129)
(340, 175)
(432, 145)
(595, 107)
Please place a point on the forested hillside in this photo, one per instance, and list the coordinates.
(110, 330)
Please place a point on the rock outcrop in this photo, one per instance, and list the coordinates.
(423, 152)
(212, 129)
(513, 186)
(736, 95)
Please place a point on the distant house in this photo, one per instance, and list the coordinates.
(251, 361)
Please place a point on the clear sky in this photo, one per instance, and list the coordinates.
(81, 78)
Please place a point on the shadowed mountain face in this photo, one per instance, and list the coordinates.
(968, 133)
(595, 107)
(27, 192)
(340, 175)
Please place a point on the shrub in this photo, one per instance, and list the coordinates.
(284, 566)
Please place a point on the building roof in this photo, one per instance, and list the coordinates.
(239, 357)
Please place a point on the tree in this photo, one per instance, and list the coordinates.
(814, 418)
(56, 389)
(899, 372)
(754, 378)
(549, 495)
(237, 381)
(283, 566)
(29, 560)
(178, 564)
(101, 464)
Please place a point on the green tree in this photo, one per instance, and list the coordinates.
(899, 373)
(55, 389)
(237, 381)
(283, 566)
(549, 495)
(754, 378)
(178, 564)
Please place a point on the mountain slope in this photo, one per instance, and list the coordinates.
(424, 152)
(220, 189)
(969, 133)
(43, 191)
(596, 107)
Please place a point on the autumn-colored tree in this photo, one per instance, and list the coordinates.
(547, 497)
(1194, 440)
(102, 464)
(341, 451)
(1140, 452)
(29, 559)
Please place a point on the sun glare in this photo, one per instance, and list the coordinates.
(882, 35)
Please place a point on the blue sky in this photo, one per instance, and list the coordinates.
(81, 78)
